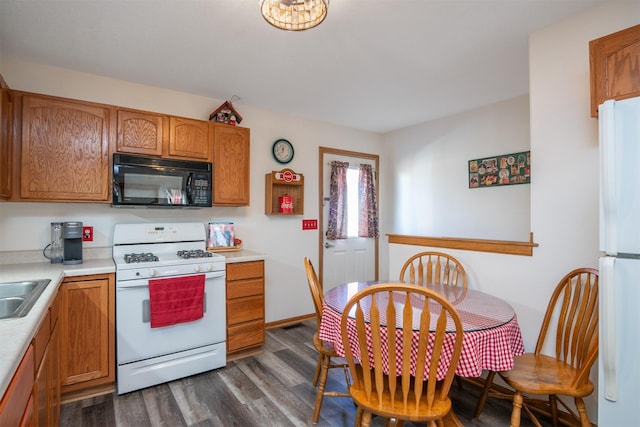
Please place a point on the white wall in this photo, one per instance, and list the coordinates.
(430, 179)
(564, 188)
(25, 226)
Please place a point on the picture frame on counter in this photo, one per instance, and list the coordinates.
(221, 236)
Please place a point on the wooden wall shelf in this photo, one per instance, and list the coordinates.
(280, 183)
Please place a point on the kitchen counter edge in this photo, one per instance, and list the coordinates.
(243, 255)
(17, 333)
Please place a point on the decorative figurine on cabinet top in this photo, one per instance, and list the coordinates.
(225, 113)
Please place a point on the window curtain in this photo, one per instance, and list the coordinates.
(337, 226)
(368, 221)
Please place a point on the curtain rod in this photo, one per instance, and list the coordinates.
(351, 166)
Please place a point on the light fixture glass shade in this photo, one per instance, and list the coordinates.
(294, 15)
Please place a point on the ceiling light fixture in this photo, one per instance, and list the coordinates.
(294, 15)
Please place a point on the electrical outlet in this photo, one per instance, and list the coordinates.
(309, 224)
(87, 233)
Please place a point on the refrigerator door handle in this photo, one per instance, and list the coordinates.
(608, 335)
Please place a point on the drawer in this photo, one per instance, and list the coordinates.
(246, 335)
(245, 270)
(245, 288)
(245, 309)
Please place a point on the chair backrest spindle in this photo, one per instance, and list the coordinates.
(433, 268)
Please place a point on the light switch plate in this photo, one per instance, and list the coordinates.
(309, 224)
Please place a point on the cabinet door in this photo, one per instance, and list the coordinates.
(614, 70)
(87, 332)
(190, 138)
(16, 406)
(64, 152)
(53, 382)
(231, 166)
(40, 392)
(5, 143)
(140, 132)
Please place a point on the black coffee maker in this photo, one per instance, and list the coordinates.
(72, 242)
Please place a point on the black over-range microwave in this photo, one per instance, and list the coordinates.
(155, 182)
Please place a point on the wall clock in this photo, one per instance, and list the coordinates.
(282, 151)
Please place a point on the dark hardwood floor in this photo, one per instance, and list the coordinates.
(270, 389)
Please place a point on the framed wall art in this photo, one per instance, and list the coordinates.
(506, 169)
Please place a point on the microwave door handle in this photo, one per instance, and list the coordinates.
(189, 189)
(116, 191)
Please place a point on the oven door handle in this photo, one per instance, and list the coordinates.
(146, 309)
(144, 283)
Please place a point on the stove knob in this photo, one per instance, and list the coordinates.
(197, 268)
(152, 272)
(209, 267)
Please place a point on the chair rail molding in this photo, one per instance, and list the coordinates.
(479, 245)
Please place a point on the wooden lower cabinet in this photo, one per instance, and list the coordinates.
(87, 334)
(245, 307)
(46, 391)
(33, 395)
(16, 406)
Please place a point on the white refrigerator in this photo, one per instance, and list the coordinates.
(619, 352)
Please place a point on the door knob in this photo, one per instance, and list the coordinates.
(327, 245)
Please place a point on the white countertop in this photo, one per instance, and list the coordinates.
(242, 255)
(16, 334)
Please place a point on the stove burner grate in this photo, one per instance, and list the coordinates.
(194, 253)
(140, 257)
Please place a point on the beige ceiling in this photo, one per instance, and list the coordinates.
(377, 65)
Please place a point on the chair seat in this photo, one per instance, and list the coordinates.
(386, 409)
(542, 375)
(323, 347)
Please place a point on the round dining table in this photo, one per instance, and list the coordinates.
(491, 338)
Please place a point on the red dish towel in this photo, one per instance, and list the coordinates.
(176, 300)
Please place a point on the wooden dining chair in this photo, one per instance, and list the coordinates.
(383, 382)
(572, 317)
(435, 268)
(325, 350)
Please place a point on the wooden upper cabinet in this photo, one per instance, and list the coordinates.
(140, 132)
(65, 149)
(153, 134)
(614, 67)
(231, 165)
(190, 138)
(5, 141)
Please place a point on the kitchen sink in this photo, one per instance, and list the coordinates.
(17, 298)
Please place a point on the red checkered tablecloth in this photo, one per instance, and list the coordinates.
(492, 336)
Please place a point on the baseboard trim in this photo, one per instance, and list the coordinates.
(289, 321)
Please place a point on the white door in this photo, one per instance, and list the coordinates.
(354, 258)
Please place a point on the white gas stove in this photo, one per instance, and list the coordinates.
(149, 355)
(158, 250)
